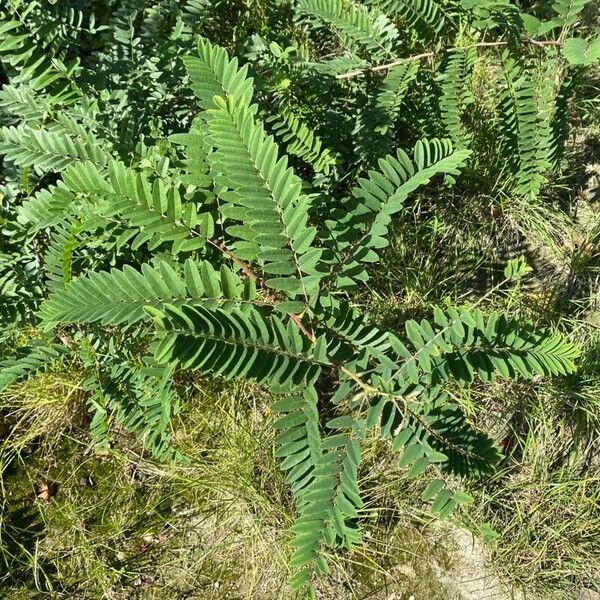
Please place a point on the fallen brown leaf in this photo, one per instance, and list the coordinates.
(47, 490)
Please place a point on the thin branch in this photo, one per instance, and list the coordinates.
(385, 67)
(401, 61)
(298, 320)
(246, 269)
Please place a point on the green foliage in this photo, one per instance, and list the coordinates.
(141, 400)
(360, 226)
(454, 85)
(214, 74)
(526, 105)
(120, 296)
(424, 16)
(359, 28)
(567, 11)
(173, 208)
(153, 208)
(23, 47)
(28, 361)
(579, 51)
(237, 343)
(373, 134)
(393, 89)
(301, 141)
(47, 150)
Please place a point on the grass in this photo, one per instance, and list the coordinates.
(117, 525)
(114, 516)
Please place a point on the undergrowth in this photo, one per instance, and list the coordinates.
(283, 283)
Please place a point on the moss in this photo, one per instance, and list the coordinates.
(120, 525)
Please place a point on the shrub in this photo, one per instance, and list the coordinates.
(150, 231)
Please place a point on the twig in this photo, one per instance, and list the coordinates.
(243, 266)
(385, 67)
(401, 61)
(298, 320)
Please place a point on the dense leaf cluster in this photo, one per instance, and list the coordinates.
(171, 205)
